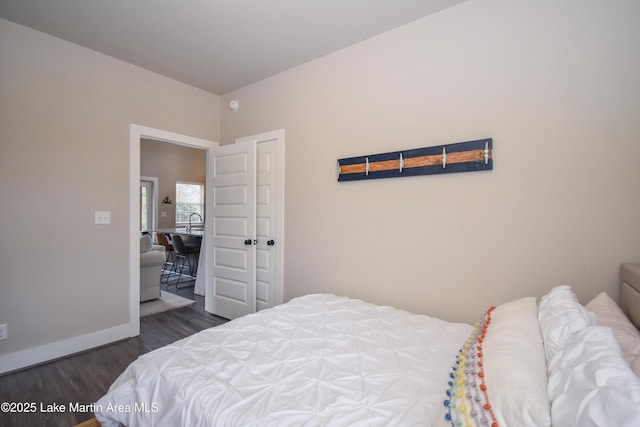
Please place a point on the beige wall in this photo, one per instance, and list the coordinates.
(556, 84)
(171, 163)
(64, 151)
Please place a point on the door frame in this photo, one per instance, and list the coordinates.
(136, 133)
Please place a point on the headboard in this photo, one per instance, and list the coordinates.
(630, 292)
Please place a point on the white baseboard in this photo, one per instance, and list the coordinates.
(44, 353)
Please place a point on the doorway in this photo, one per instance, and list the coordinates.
(136, 133)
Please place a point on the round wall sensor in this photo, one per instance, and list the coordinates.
(233, 105)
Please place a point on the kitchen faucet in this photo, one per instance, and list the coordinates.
(190, 216)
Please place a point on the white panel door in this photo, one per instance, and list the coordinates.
(233, 291)
(269, 217)
(266, 214)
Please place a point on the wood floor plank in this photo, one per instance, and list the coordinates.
(85, 377)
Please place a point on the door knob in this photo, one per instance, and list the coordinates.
(271, 242)
(248, 242)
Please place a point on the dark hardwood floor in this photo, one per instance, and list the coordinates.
(84, 378)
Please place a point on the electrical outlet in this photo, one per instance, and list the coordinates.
(3, 332)
(103, 217)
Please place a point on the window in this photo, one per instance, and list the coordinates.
(148, 187)
(144, 207)
(189, 199)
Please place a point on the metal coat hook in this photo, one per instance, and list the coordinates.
(401, 163)
(486, 152)
(444, 158)
(366, 171)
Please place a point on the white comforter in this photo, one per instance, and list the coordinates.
(319, 360)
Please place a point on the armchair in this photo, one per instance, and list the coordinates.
(152, 258)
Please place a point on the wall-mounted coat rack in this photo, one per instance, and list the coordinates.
(449, 158)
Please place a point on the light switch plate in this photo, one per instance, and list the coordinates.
(103, 217)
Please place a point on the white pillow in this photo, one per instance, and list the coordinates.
(627, 336)
(560, 315)
(591, 385)
(145, 243)
(515, 367)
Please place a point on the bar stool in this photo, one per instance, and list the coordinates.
(183, 253)
(169, 265)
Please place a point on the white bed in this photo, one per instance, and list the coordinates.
(323, 360)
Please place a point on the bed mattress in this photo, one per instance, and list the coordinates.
(319, 360)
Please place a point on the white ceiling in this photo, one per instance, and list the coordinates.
(217, 45)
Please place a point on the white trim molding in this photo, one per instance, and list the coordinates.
(48, 352)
